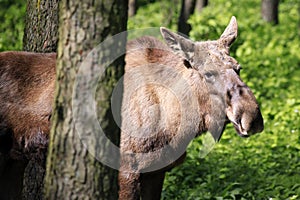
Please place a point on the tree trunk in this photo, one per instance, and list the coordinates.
(41, 25)
(187, 9)
(269, 11)
(40, 35)
(200, 4)
(132, 8)
(72, 172)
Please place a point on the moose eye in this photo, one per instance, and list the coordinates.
(210, 76)
(187, 64)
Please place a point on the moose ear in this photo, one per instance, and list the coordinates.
(180, 45)
(230, 33)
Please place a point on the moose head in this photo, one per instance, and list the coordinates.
(230, 98)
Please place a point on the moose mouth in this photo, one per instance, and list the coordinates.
(237, 123)
(239, 129)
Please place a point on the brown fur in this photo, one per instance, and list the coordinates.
(26, 94)
(157, 133)
(172, 94)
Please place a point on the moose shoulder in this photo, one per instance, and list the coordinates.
(172, 93)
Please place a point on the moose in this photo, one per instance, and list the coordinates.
(173, 92)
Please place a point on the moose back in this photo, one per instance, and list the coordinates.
(173, 91)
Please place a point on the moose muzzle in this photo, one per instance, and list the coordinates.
(243, 110)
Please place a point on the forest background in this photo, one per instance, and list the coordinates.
(265, 166)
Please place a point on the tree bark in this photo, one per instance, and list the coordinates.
(269, 11)
(132, 8)
(41, 25)
(200, 4)
(40, 35)
(187, 9)
(72, 172)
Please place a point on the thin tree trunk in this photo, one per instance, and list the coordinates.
(187, 9)
(40, 35)
(132, 8)
(200, 4)
(72, 172)
(269, 11)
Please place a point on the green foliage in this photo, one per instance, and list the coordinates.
(263, 166)
(267, 165)
(12, 13)
(160, 13)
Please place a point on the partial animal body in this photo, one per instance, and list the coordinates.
(173, 92)
(27, 83)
